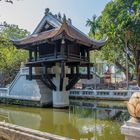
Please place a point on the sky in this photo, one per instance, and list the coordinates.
(28, 13)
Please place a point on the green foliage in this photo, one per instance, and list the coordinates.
(120, 21)
(10, 57)
(93, 24)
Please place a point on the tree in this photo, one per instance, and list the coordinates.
(10, 57)
(120, 21)
(93, 25)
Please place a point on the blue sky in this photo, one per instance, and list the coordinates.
(28, 13)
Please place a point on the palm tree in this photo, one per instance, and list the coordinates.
(92, 23)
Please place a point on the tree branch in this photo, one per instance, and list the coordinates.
(9, 1)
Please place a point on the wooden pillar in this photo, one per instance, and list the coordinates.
(55, 51)
(88, 67)
(35, 54)
(30, 55)
(62, 69)
(85, 53)
(46, 71)
(62, 50)
(77, 69)
(88, 71)
(72, 70)
(62, 75)
(67, 52)
(62, 47)
(88, 55)
(30, 72)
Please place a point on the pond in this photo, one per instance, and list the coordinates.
(84, 120)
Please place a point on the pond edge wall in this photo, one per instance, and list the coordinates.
(14, 132)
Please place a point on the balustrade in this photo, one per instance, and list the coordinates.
(122, 94)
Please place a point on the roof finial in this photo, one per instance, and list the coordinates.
(47, 11)
(59, 16)
(55, 15)
(64, 18)
(70, 21)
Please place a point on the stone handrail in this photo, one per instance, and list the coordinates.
(23, 71)
(14, 132)
(14, 81)
(124, 94)
(4, 91)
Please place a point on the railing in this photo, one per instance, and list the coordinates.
(14, 81)
(59, 55)
(47, 55)
(5, 92)
(74, 55)
(23, 71)
(108, 94)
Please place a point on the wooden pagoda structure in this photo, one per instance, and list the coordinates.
(56, 40)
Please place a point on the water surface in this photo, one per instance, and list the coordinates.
(85, 120)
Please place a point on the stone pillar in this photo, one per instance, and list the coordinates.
(131, 129)
(60, 98)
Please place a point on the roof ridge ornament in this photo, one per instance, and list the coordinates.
(64, 18)
(59, 16)
(69, 21)
(47, 11)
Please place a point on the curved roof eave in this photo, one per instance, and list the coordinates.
(100, 43)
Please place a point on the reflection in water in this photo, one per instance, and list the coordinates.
(92, 120)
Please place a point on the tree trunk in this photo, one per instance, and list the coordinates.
(138, 79)
(124, 70)
(138, 73)
(138, 67)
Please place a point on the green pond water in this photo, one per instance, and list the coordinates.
(84, 120)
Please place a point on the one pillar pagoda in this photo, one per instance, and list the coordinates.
(59, 49)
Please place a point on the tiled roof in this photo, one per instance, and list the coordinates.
(69, 30)
(37, 37)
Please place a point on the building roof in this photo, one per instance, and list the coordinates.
(37, 37)
(62, 29)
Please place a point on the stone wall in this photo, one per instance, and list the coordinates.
(24, 90)
(22, 102)
(14, 132)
